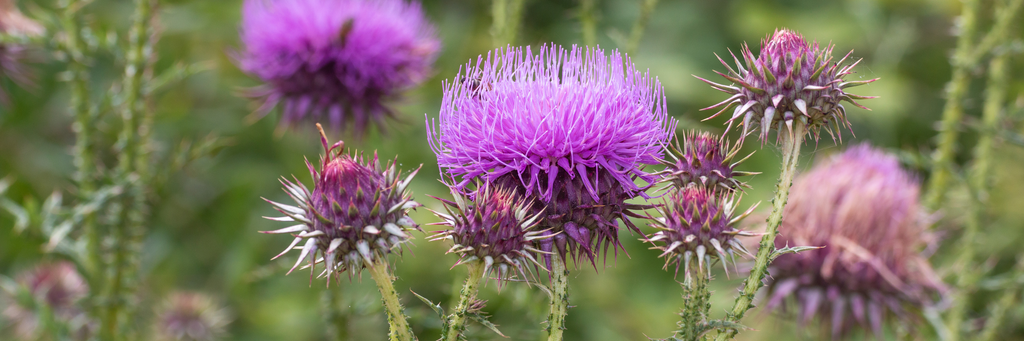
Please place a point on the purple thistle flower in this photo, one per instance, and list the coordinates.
(696, 227)
(863, 208)
(188, 316)
(703, 159)
(356, 212)
(14, 55)
(570, 128)
(494, 226)
(59, 287)
(335, 60)
(789, 79)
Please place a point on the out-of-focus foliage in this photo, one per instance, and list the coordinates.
(203, 236)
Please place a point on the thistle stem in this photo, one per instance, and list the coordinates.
(457, 320)
(790, 156)
(399, 327)
(506, 15)
(640, 25)
(696, 306)
(559, 298)
(588, 22)
(1009, 298)
(978, 181)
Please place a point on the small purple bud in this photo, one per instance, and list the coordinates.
(59, 287)
(12, 55)
(187, 316)
(703, 159)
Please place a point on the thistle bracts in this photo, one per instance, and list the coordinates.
(705, 160)
(790, 79)
(494, 226)
(190, 316)
(696, 227)
(355, 214)
(863, 208)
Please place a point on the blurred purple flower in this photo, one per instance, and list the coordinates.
(790, 79)
(335, 60)
(59, 287)
(570, 128)
(696, 227)
(188, 316)
(14, 55)
(357, 211)
(863, 208)
(494, 226)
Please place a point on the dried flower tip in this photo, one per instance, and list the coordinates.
(335, 60)
(356, 212)
(790, 79)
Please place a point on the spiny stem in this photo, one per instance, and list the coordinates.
(696, 306)
(978, 181)
(506, 15)
(640, 25)
(588, 22)
(457, 320)
(1010, 297)
(790, 156)
(559, 298)
(399, 327)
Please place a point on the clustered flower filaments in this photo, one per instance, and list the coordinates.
(356, 213)
(863, 208)
(703, 159)
(337, 61)
(790, 79)
(696, 227)
(570, 128)
(494, 226)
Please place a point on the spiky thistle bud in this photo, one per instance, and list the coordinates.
(337, 61)
(493, 225)
(59, 288)
(13, 55)
(863, 208)
(570, 128)
(705, 160)
(696, 227)
(790, 79)
(189, 316)
(356, 212)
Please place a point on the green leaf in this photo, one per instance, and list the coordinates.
(791, 249)
(481, 319)
(21, 217)
(436, 307)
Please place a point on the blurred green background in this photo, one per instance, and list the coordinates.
(203, 231)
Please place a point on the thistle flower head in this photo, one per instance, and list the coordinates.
(703, 159)
(59, 287)
(790, 79)
(696, 227)
(356, 212)
(494, 226)
(14, 55)
(571, 128)
(863, 208)
(188, 316)
(335, 60)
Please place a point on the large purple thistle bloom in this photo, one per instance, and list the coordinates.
(335, 60)
(572, 128)
(863, 208)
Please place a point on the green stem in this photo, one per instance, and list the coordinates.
(399, 327)
(1009, 299)
(696, 306)
(790, 156)
(335, 316)
(506, 15)
(559, 298)
(588, 22)
(457, 320)
(640, 25)
(978, 182)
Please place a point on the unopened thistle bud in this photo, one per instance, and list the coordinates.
(187, 316)
(569, 128)
(863, 208)
(790, 79)
(59, 288)
(704, 160)
(356, 212)
(494, 225)
(696, 227)
(336, 61)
